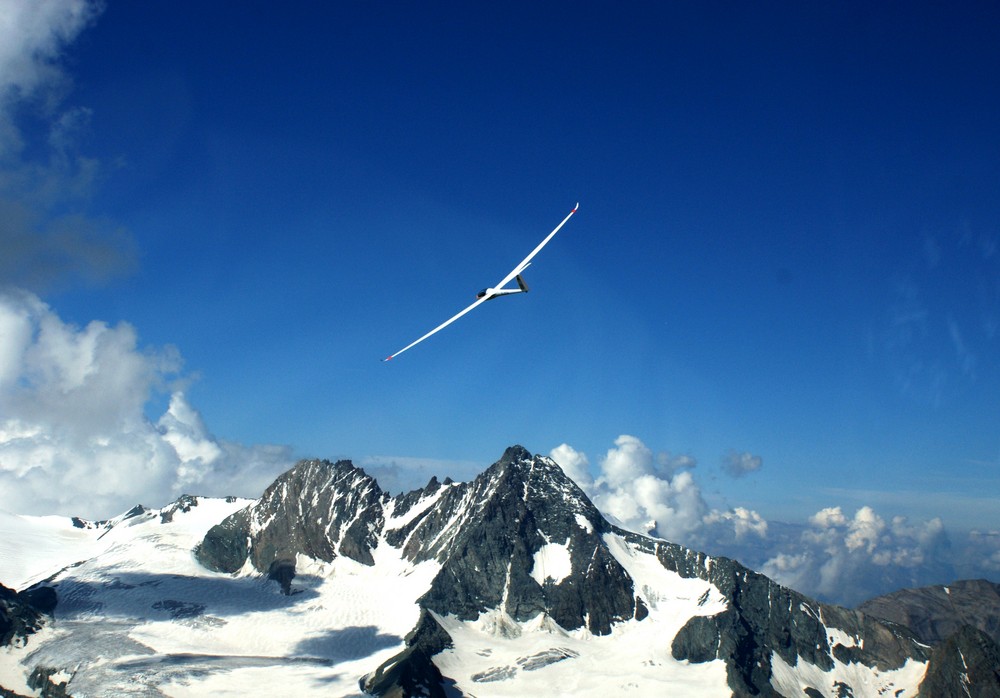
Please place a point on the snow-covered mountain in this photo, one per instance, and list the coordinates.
(512, 584)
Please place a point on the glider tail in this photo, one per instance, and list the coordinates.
(521, 284)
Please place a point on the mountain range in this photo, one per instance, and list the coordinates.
(511, 584)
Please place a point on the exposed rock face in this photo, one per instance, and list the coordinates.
(488, 533)
(22, 614)
(226, 546)
(183, 504)
(523, 540)
(937, 612)
(764, 618)
(965, 665)
(318, 509)
(412, 672)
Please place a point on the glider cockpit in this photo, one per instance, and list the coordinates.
(492, 293)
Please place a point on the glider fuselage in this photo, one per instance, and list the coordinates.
(497, 292)
(522, 287)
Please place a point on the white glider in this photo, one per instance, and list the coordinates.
(495, 291)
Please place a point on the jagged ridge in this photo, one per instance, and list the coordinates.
(937, 612)
(489, 534)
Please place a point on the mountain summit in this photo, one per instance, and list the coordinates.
(522, 551)
(511, 584)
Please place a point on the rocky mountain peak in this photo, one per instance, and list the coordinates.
(481, 584)
(522, 543)
(936, 612)
(966, 664)
(318, 509)
(522, 538)
(553, 497)
(515, 454)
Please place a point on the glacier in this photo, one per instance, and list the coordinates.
(512, 584)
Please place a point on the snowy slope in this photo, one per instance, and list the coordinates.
(496, 656)
(509, 585)
(142, 617)
(33, 548)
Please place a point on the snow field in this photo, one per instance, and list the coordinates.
(144, 617)
(138, 615)
(496, 656)
(33, 548)
(867, 682)
(394, 521)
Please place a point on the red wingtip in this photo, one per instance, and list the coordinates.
(386, 358)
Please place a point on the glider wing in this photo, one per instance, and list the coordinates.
(492, 291)
(439, 327)
(527, 260)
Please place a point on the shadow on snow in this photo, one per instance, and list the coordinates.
(128, 595)
(347, 644)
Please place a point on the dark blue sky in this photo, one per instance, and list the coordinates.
(787, 243)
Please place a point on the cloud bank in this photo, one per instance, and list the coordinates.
(836, 556)
(74, 435)
(852, 558)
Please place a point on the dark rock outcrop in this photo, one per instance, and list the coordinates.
(412, 672)
(935, 613)
(965, 665)
(487, 533)
(318, 509)
(225, 547)
(763, 617)
(23, 614)
(183, 504)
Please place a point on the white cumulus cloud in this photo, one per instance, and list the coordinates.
(848, 559)
(740, 464)
(32, 35)
(744, 522)
(74, 435)
(575, 464)
(652, 493)
(836, 556)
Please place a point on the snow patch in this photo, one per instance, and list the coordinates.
(496, 656)
(15, 666)
(552, 561)
(394, 521)
(792, 680)
(837, 636)
(584, 523)
(33, 548)
(670, 598)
